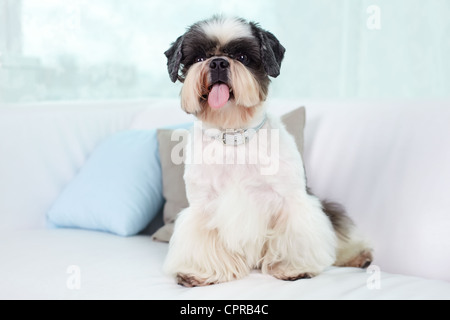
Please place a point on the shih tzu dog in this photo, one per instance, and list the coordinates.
(240, 216)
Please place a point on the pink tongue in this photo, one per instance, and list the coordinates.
(219, 95)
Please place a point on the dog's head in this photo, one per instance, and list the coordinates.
(225, 64)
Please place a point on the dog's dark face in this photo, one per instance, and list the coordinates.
(225, 66)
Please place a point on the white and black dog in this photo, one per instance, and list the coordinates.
(242, 218)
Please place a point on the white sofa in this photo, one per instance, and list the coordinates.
(387, 162)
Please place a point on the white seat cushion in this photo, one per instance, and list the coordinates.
(35, 265)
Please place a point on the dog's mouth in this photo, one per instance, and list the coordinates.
(218, 95)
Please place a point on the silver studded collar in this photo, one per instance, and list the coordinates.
(235, 137)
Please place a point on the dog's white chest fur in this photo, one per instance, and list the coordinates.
(230, 183)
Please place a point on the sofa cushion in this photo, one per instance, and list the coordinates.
(119, 188)
(173, 183)
(79, 264)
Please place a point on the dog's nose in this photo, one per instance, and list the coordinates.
(219, 64)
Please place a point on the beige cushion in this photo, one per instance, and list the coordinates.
(173, 184)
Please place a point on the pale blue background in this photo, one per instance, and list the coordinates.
(113, 49)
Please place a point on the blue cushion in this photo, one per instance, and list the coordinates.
(119, 188)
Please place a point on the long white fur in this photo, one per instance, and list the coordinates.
(240, 219)
(225, 29)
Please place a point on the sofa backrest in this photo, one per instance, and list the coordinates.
(389, 164)
(43, 146)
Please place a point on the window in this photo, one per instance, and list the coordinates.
(52, 50)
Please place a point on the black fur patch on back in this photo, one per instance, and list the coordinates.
(337, 214)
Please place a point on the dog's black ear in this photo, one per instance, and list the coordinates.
(174, 55)
(272, 52)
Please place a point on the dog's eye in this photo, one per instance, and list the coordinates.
(242, 58)
(199, 59)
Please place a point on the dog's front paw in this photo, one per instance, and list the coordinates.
(306, 275)
(288, 273)
(189, 280)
